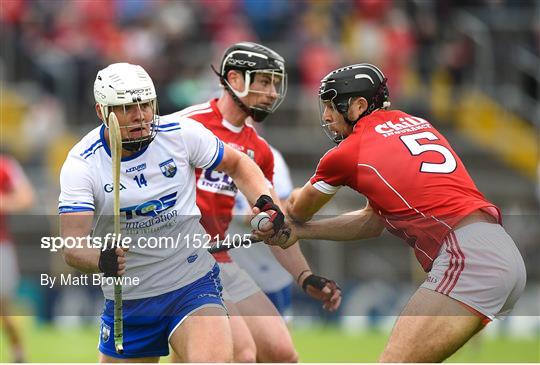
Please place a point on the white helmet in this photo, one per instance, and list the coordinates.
(121, 84)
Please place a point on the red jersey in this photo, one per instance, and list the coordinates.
(410, 175)
(10, 172)
(215, 190)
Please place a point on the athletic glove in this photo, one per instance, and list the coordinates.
(318, 282)
(108, 262)
(327, 291)
(265, 203)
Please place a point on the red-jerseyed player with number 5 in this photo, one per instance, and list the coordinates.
(418, 189)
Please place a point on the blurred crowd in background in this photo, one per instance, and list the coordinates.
(470, 67)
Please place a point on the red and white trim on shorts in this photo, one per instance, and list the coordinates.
(455, 266)
(454, 270)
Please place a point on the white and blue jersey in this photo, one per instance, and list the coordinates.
(157, 199)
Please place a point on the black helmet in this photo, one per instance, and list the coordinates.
(251, 58)
(340, 85)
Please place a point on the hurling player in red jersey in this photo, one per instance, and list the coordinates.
(418, 189)
(254, 81)
(16, 195)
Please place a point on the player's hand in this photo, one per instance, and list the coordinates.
(277, 219)
(285, 238)
(112, 261)
(323, 289)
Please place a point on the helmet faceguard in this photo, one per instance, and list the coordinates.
(341, 86)
(327, 126)
(125, 88)
(255, 61)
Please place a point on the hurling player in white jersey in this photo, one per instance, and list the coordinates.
(172, 292)
(257, 260)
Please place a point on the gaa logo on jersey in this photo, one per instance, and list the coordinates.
(168, 168)
(105, 332)
(108, 188)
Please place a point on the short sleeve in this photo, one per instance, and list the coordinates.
(333, 171)
(204, 149)
(76, 186)
(282, 177)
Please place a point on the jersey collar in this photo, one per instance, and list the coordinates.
(224, 122)
(231, 127)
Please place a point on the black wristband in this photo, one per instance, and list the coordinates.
(108, 262)
(300, 275)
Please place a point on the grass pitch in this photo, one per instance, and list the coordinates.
(314, 344)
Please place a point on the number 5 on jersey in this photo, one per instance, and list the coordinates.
(415, 148)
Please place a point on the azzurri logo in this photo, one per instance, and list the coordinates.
(137, 168)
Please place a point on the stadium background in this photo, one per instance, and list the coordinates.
(470, 67)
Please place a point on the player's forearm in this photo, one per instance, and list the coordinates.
(299, 212)
(249, 179)
(346, 227)
(75, 225)
(292, 259)
(84, 259)
(305, 202)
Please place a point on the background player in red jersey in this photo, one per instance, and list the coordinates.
(418, 188)
(255, 82)
(16, 195)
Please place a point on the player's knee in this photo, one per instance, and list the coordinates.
(281, 352)
(246, 355)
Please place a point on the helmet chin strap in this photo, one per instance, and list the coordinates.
(353, 122)
(348, 121)
(343, 109)
(256, 114)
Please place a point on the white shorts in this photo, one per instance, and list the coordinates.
(9, 270)
(479, 265)
(237, 284)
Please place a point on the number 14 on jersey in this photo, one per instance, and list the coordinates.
(140, 180)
